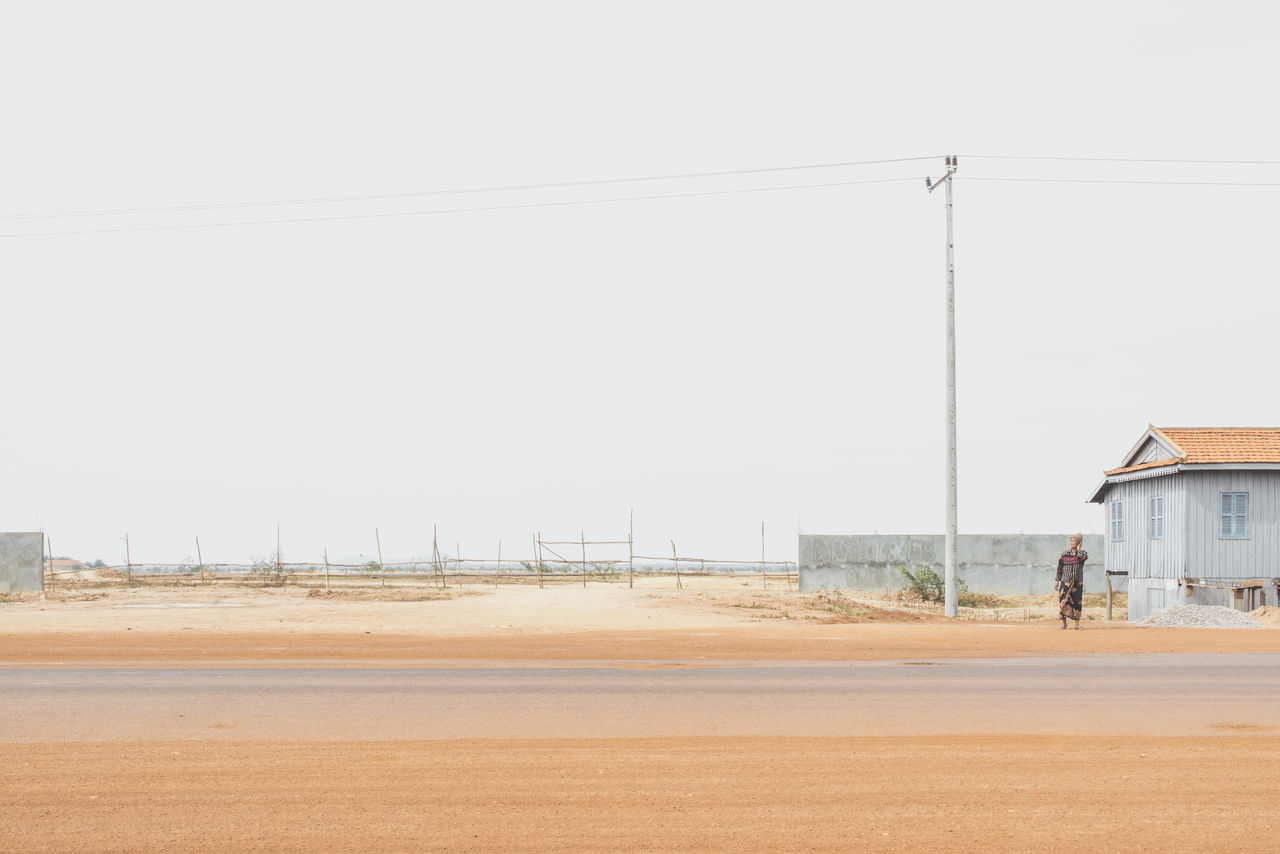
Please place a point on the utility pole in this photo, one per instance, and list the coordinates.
(952, 606)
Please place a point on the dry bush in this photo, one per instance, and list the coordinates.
(384, 595)
(969, 599)
(269, 572)
(833, 602)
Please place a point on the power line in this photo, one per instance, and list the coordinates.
(336, 218)
(656, 197)
(458, 192)
(1124, 181)
(1123, 160)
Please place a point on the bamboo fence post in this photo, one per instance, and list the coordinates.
(326, 568)
(583, 534)
(436, 562)
(675, 559)
(200, 558)
(763, 568)
(382, 568)
(43, 541)
(631, 550)
(535, 557)
(538, 542)
(128, 560)
(1108, 597)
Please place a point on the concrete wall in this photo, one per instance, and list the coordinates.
(21, 563)
(1017, 564)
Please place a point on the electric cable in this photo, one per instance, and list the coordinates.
(462, 191)
(1122, 160)
(1119, 181)
(386, 215)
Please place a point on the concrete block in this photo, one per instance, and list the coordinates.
(21, 563)
(1001, 564)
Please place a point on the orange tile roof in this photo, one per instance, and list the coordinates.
(1151, 465)
(1224, 444)
(1199, 445)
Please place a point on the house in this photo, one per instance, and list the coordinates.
(1193, 515)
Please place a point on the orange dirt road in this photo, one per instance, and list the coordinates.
(702, 794)
(221, 791)
(800, 642)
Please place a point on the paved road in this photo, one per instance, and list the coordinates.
(1147, 695)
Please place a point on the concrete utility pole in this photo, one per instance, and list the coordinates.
(952, 608)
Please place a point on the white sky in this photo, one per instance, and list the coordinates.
(710, 361)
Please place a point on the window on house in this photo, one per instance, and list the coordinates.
(1117, 521)
(1233, 515)
(1157, 517)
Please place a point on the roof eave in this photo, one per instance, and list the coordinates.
(1122, 477)
(1268, 466)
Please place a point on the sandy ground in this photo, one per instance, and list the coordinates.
(1013, 792)
(709, 618)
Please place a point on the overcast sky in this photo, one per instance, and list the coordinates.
(710, 361)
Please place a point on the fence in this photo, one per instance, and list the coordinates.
(550, 563)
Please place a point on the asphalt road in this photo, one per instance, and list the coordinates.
(1145, 695)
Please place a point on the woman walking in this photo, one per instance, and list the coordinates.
(1069, 582)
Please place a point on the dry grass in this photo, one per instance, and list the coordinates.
(388, 594)
(76, 595)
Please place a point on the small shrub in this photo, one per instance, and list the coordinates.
(928, 586)
(270, 572)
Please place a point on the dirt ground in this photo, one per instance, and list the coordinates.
(1014, 792)
(705, 794)
(708, 618)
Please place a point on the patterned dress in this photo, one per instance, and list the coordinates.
(1070, 580)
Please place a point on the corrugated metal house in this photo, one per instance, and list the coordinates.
(1192, 513)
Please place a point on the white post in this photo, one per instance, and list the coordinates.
(952, 601)
(953, 596)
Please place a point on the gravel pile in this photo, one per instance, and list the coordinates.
(1200, 617)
